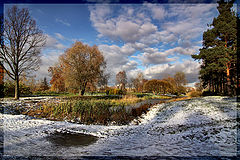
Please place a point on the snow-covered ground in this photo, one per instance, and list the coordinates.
(198, 127)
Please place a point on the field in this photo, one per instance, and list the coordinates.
(196, 127)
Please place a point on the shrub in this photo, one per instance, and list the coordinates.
(9, 89)
(115, 91)
(194, 94)
(209, 93)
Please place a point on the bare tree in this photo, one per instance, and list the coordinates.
(180, 79)
(121, 79)
(138, 82)
(21, 44)
(103, 80)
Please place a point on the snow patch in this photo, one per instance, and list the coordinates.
(198, 127)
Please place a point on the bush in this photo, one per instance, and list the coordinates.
(115, 91)
(209, 93)
(194, 94)
(9, 89)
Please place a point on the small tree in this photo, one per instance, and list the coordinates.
(172, 84)
(103, 80)
(57, 80)
(20, 45)
(180, 81)
(138, 82)
(44, 85)
(121, 79)
(198, 86)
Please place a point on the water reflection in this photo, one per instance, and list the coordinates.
(71, 139)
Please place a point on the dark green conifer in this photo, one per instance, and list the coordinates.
(219, 52)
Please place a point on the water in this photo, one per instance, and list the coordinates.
(66, 139)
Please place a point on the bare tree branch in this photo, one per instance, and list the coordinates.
(21, 46)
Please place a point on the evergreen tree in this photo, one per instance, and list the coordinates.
(219, 53)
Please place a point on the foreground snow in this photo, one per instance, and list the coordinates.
(198, 127)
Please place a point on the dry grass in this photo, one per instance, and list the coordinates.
(194, 94)
(127, 100)
(95, 111)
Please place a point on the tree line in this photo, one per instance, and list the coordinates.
(82, 67)
(173, 85)
(218, 55)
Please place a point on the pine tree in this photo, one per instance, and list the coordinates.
(219, 53)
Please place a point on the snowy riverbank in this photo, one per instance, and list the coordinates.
(198, 127)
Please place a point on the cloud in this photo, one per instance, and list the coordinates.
(63, 22)
(117, 59)
(130, 65)
(153, 56)
(152, 35)
(190, 21)
(189, 67)
(59, 36)
(183, 51)
(158, 11)
(135, 24)
(47, 60)
(52, 43)
(120, 27)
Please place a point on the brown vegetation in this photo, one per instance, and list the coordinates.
(79, 68)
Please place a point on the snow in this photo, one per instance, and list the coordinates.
(198, 127)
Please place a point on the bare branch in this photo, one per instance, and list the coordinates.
(22, 42)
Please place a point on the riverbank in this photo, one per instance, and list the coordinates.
(197, 127)
(85, 110)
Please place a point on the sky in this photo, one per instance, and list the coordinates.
(155, 39)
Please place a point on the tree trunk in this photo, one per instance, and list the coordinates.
(17, 92)
(83, 89)
(229, 90)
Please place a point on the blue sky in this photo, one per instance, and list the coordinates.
(155, 39)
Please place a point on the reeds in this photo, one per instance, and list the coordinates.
(86, 111)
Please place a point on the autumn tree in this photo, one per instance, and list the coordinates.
(166, 86)
(57, 80)
(81, 64)
(121, 79)
(21, 42)
(172, 84)
(198, 86)
(43, 86)
(153, 86)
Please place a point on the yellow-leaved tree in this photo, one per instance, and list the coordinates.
(81, 64)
